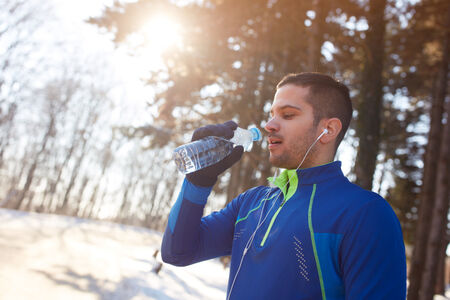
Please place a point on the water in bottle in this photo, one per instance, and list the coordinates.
(212, 149)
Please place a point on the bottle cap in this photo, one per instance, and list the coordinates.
(256, 134)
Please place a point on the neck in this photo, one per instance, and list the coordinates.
(322, 158)
(317, 159)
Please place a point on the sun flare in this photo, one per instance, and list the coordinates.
(161, 33)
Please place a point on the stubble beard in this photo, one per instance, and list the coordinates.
(291, 157)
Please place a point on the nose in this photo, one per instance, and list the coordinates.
(272, 125)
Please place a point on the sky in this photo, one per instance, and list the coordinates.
(130, 94)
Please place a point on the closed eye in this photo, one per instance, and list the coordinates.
(288, 116)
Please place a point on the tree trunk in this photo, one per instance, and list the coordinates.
(429, 177)
(438, 219)
(53, 202)
(30, 176)
(81, 205)
(370, 107)
(316, 37)
(106, 162)
(12, 193)
(439, 216)
(246, 176)
(4, 143)
(439, 288)
(74, 175)
(235, 179)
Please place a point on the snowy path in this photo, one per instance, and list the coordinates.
(54, 257)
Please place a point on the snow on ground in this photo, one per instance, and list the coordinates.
(55, 257)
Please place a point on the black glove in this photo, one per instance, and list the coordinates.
(207, 177)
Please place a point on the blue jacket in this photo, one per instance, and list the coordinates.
(323, 238)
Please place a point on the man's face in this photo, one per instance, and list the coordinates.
(290, 128)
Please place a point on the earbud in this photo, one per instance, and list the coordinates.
(325, 131)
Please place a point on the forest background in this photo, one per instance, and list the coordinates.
(69, 143)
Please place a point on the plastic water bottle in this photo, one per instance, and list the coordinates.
(212, 149)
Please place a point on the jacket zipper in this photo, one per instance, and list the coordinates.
(273, 219)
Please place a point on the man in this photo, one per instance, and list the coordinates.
(315, 235)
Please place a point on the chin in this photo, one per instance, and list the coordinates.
(279, 163)
(274, 162)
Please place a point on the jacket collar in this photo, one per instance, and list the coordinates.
(281, 182)
(309, 175)
(320, 173)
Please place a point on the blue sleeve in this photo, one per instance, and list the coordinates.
(373, 258)
(189, 238)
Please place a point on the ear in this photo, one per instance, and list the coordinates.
(334, 127)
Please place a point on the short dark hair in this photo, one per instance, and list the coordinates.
(328, 97)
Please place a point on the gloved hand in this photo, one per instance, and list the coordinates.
(208, 176)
